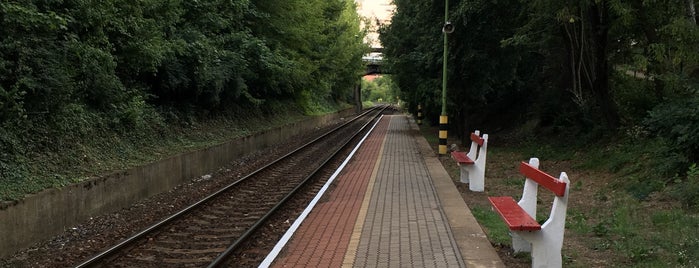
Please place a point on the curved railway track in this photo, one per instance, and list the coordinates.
(207, 232)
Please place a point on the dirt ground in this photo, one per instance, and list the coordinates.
(503, 179)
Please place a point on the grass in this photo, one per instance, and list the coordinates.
(495, 229)
(513, 181)
(655, 238)
(432, 137)
(94, 150)
(623, 212)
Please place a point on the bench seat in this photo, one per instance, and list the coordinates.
(461, 158)
(514, 216)
(544, 241)
(472, 164)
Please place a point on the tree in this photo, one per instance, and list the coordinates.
(483, 79)
(320, 50)
(413, 50)
(564, 61)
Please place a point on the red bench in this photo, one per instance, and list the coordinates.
(473, 163)
(544, 241)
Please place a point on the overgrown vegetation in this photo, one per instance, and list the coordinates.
(87, 86)
(104, 151)
(649, 224)
(612, 219)
(380, 89)
(619, 73)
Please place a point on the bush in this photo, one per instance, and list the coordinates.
(676, 123)
(687, 191)
(381, 89)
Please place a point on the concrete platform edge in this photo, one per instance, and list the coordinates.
(473, 244)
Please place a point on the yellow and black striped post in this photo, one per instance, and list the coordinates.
(443, 124)
(443, 121)
(419, 114)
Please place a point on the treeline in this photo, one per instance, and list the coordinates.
(380, 89)
(579, 70)
(71, 69)
(113, 56)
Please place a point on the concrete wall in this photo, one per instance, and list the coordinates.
(46, 214)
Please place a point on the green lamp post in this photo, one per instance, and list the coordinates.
(443, 119)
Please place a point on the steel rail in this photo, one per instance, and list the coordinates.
(105, 254)
(222, 257)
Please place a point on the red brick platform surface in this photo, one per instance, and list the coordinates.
(386, 209)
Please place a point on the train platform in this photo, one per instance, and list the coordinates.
(392, 204)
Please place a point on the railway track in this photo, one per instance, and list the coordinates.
(206, 233)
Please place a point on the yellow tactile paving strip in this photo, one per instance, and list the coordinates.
(359, 225)
(323, 238)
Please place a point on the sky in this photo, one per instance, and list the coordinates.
(381, 9)
(377, 11)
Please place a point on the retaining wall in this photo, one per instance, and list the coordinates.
(48, 213)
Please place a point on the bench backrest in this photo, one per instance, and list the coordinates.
(549, 182)
(546, 243)
(477, 139)
(536, 177)
(477, 142)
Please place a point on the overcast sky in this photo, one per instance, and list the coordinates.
(375, 9)
(380, 9)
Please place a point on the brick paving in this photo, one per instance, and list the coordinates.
(405, 226)
(384, 211)
(323, 238)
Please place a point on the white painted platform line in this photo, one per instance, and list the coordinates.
(292, 229)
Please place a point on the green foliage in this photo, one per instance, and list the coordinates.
(571, 66)
(656, 238)
(381, 89)
(190, 55)
(680, 243)
(642, 187)
(322, 47)
(579, 222)
(676, 123)
(77, 74)
(632, 95)
(497, 231)
(653, 231)
(572, 71)
(660, 238)
(687, 190)
(82, 145)
(513, 181)
(412, 46)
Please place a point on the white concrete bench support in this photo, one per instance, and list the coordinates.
(472, 164)
(544, 241)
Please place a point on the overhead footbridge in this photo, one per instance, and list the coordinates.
(374, 61)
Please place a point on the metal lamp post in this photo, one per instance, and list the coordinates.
(443, 119)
